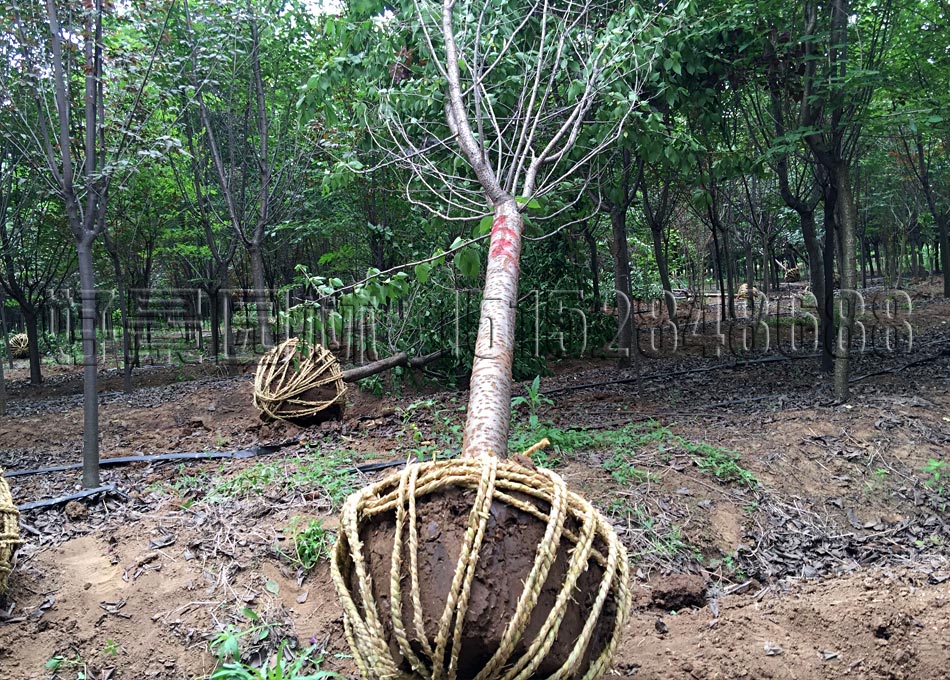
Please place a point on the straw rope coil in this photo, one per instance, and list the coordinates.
(9, 532)
(20, 346)
(540, 493)
(288, 376)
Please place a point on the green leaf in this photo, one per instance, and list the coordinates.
(531, 203)
(469, 262)
(272, 586)
(250, 614)
(422, 272)
(484, 226)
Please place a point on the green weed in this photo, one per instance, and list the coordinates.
(329, 472)
(722, 464)
(534, 400)
(624, 471)
(277, 667)
(74, 665)
(937, 469)
(656, 539)
(280, 665)
(311, 543)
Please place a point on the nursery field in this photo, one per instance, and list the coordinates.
(772, 533)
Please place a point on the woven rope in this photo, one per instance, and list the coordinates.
(541, 493)
(287, 372)
(9, 532)
(20, 346)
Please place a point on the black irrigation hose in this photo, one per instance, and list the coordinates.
(33, 505)
(161, 457)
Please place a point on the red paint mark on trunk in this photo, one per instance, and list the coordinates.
(503, 239)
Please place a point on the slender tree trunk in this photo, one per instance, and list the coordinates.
(214, 310)
(3, 391)
(749, 267)
(943, 226)
(663, 266)
(5, 330)
(32, 333)
(124, 313)
(730, 266)
(260, 295)
(717, 261)
(847, 224)
(828, 270)
(489, 404)
(126, 339)
(624, 294)
(594, 267)
(813, 249)
(90, 441)
(199, 325)
(867, 265)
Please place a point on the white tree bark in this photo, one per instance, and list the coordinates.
(489, 403)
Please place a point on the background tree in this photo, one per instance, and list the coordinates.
(76, 105)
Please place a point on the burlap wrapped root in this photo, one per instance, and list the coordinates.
(20, 346)
(9, 532)
(299, 383)
(499, 571)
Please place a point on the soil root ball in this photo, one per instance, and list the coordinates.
(299, 383)
(9, 532)
(20, 346)
(479, 569)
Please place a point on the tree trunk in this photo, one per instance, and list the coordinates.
(214, 311)
(730, 266)
(943, 226)
(817, 276)
(199, 326)
(5, 330)
(594, 268)
(489, 404)
(260, 295)
(90, 440)
(124, 312)
(624, 295)
(847, 224)
(3, 391)
(717, 261)
(663, 266)
(864, 263)
(750, 271)
(827, 304)
(32, 333)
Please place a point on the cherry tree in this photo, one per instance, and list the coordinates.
(531, 92)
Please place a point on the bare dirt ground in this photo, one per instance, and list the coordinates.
(773, 533)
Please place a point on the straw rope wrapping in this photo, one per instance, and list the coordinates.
(494, 481)
(20, 346)
(9, 532)
(287, 372)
